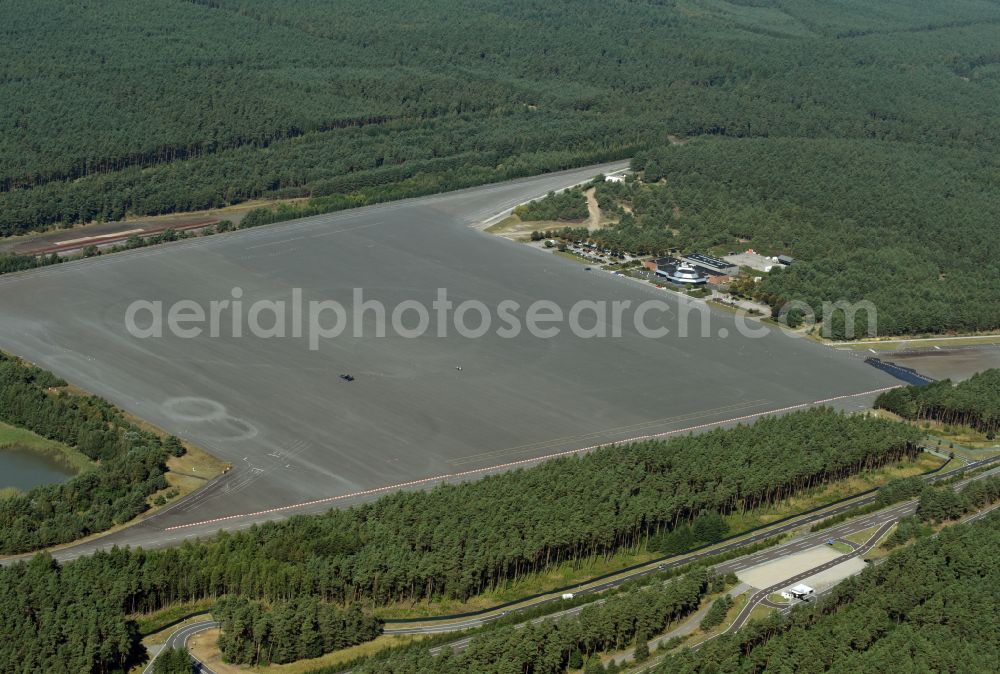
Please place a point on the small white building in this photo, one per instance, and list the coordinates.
(801, 591)
(615, 178)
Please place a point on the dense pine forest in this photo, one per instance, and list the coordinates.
(909, 228)
(173, 661)
(859, 136)
(974, 402)
(454, 541)
(943, 504)
(132, 462)
(554, 647)
(878, 610)
(931, 607)
(630, 618)
(190, 104)
(567, 205)
(940, 505)
(256, 634)
(461, 540)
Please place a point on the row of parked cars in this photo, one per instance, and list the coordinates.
(592, 253)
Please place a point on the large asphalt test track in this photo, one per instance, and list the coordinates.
(296, 433)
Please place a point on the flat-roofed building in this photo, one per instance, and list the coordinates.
(801, 591)
(657, 262)
(711, 266)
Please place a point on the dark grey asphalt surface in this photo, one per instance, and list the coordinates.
(295, 432)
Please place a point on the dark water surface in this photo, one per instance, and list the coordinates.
(23, 468)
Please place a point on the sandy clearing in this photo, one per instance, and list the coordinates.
(594, 220)
(204, 647)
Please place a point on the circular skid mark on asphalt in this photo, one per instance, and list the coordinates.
(232, 429)
(221, 426)
(188, 408)
(419, 482)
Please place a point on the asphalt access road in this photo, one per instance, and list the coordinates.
(884, 519)
(760, 597)
(179, 639)
(764, 593)
(800, 543)
(295, 432)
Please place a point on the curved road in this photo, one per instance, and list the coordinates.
(883, 519)
(893, 513)
(179, 639)
(761, 595)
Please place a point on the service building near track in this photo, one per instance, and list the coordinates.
(711, 266)
(677, 271)
(694, 269)
(800, 591)
(685, 274)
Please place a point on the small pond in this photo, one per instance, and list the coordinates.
(23, 468)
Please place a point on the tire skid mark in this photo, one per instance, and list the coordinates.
(514, 464)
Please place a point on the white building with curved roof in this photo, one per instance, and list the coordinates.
(681, 274)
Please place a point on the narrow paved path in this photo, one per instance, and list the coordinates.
(761, 595)
(690, 625)
(884, 519)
